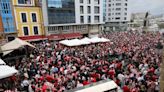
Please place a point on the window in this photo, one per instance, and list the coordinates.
(96, 19)
(124, 18)
(81, 10)
(81, 1)
(118, 9)
(126, 4)
(25, 29)
(109, 5)
(34, 19)
(125, 13)
(126, 9)
(118, 4)
(89, 9)
(61, 11)
(97, 1)
(55, 3)
(24, 1)
(109, 0)
(96, 11)
(55, 28)
(5, 7)
(109, 14)
(117, 13)
(89, 1)
(89, 19)
(35, 28)
(23, 15)
(66, 28)
(117, 18)
(81, 19)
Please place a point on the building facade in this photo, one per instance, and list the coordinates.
(72, 16)
(1, 29)
(28, 16)
(104, 10)
(8, 22)
(117, 14)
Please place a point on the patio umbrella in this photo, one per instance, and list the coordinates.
(7, 71)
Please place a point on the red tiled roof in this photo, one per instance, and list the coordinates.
(33, 38)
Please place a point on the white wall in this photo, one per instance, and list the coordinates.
(92, 14)
(45, 13)
(122, 11)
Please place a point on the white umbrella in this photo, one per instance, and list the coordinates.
(6, 71)
(104, 40)
(2, 62)
(95, 39)
(85, 41)
(73, 42)
(15, 44)
(64, 41)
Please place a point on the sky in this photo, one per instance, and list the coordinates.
(155, 7)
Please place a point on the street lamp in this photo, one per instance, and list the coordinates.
(8, 24)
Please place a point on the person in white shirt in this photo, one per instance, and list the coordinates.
(140, 78)
(25, 84)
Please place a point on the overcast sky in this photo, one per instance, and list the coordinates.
(154, 6)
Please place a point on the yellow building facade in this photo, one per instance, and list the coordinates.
(28, 17)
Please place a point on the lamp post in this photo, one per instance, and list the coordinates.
(8, 25)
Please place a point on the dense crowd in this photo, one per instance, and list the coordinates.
(132, 59)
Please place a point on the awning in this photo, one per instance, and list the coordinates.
(73, 42)
(72, 35)
(55, 37)
(64, 36)
(95, 39)
(33, 38)
(84, 41)
(2, 62)
(100, 86)
(7, 71)
(15, 44)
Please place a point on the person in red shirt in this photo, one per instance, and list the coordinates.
(119, 65)
(44, 87)
(118, 82)
(126, 88)
(111, 72)
(93, 80)
(86, 82)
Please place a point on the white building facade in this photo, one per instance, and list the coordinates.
(72, 16)
(117, 14)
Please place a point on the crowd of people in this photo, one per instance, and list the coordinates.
(132, 59)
